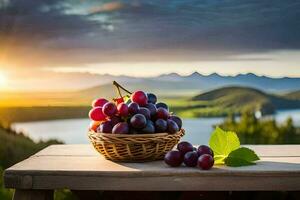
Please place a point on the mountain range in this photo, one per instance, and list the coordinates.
(164, 86)
(174, 84)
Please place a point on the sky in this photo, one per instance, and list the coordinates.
(49, 38)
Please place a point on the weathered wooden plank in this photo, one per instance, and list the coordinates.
(66, 166)
(88, 150)
(68, 150)
(33, 195)
(50, 172)
(170, 183)
(90, 165)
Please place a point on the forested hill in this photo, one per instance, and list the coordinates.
(293, 95)
(243, 98)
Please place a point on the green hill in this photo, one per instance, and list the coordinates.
(293, 95)
(16, 147)
(238, 99)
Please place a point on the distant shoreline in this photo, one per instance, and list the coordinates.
(38, 114)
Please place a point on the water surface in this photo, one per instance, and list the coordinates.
(74, 131)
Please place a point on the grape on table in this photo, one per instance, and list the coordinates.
(201, 157)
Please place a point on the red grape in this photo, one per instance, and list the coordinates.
(173, 158)
(140, 98)
(160, 126)
(109, 109)
(190, 159)
(177, 120)
(121, 128)
(162, 113)
(185, 147)
(119, 100)
(105, 127)
(123, 109)
(96, 114)
(172, 127)
(203, 149)
(133, 108)
(205, 161)
(94, 125)
(99, 102)
(138, 121)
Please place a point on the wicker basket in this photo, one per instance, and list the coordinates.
(134, 148)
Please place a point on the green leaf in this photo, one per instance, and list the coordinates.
(241, 157)
(237, 162)
(223, 143)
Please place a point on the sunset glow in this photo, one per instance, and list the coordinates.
(3, 80)
(94, 39)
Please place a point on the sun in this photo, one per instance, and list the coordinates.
(3, 80)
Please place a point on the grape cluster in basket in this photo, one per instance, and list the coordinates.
(202, 157)
(140, 114)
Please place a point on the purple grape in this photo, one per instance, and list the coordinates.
(109, 109)
(133, 108)
(190, 159)
(162, 105)
(105, 127)
(152, 98)
(205, 161)
(177, 120)
(172, 127)
(114, 120)
(145, 112)
(149, 127)
(134, 131)
(173, 158)
(162, 113)
(160, 126)
(184, 147)
(138, 121)
(152, 108)
(203, 149)
(121, 128)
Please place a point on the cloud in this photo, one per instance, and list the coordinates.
(107, 7)
(76, 32)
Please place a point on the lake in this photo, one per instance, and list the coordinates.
(74, 131)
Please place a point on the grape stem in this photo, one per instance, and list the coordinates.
(118, 86)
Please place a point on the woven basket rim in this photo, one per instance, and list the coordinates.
(134, 148)
(134, 135)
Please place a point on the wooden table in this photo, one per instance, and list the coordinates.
(80, 167)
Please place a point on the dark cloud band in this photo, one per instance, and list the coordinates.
(98, 31)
